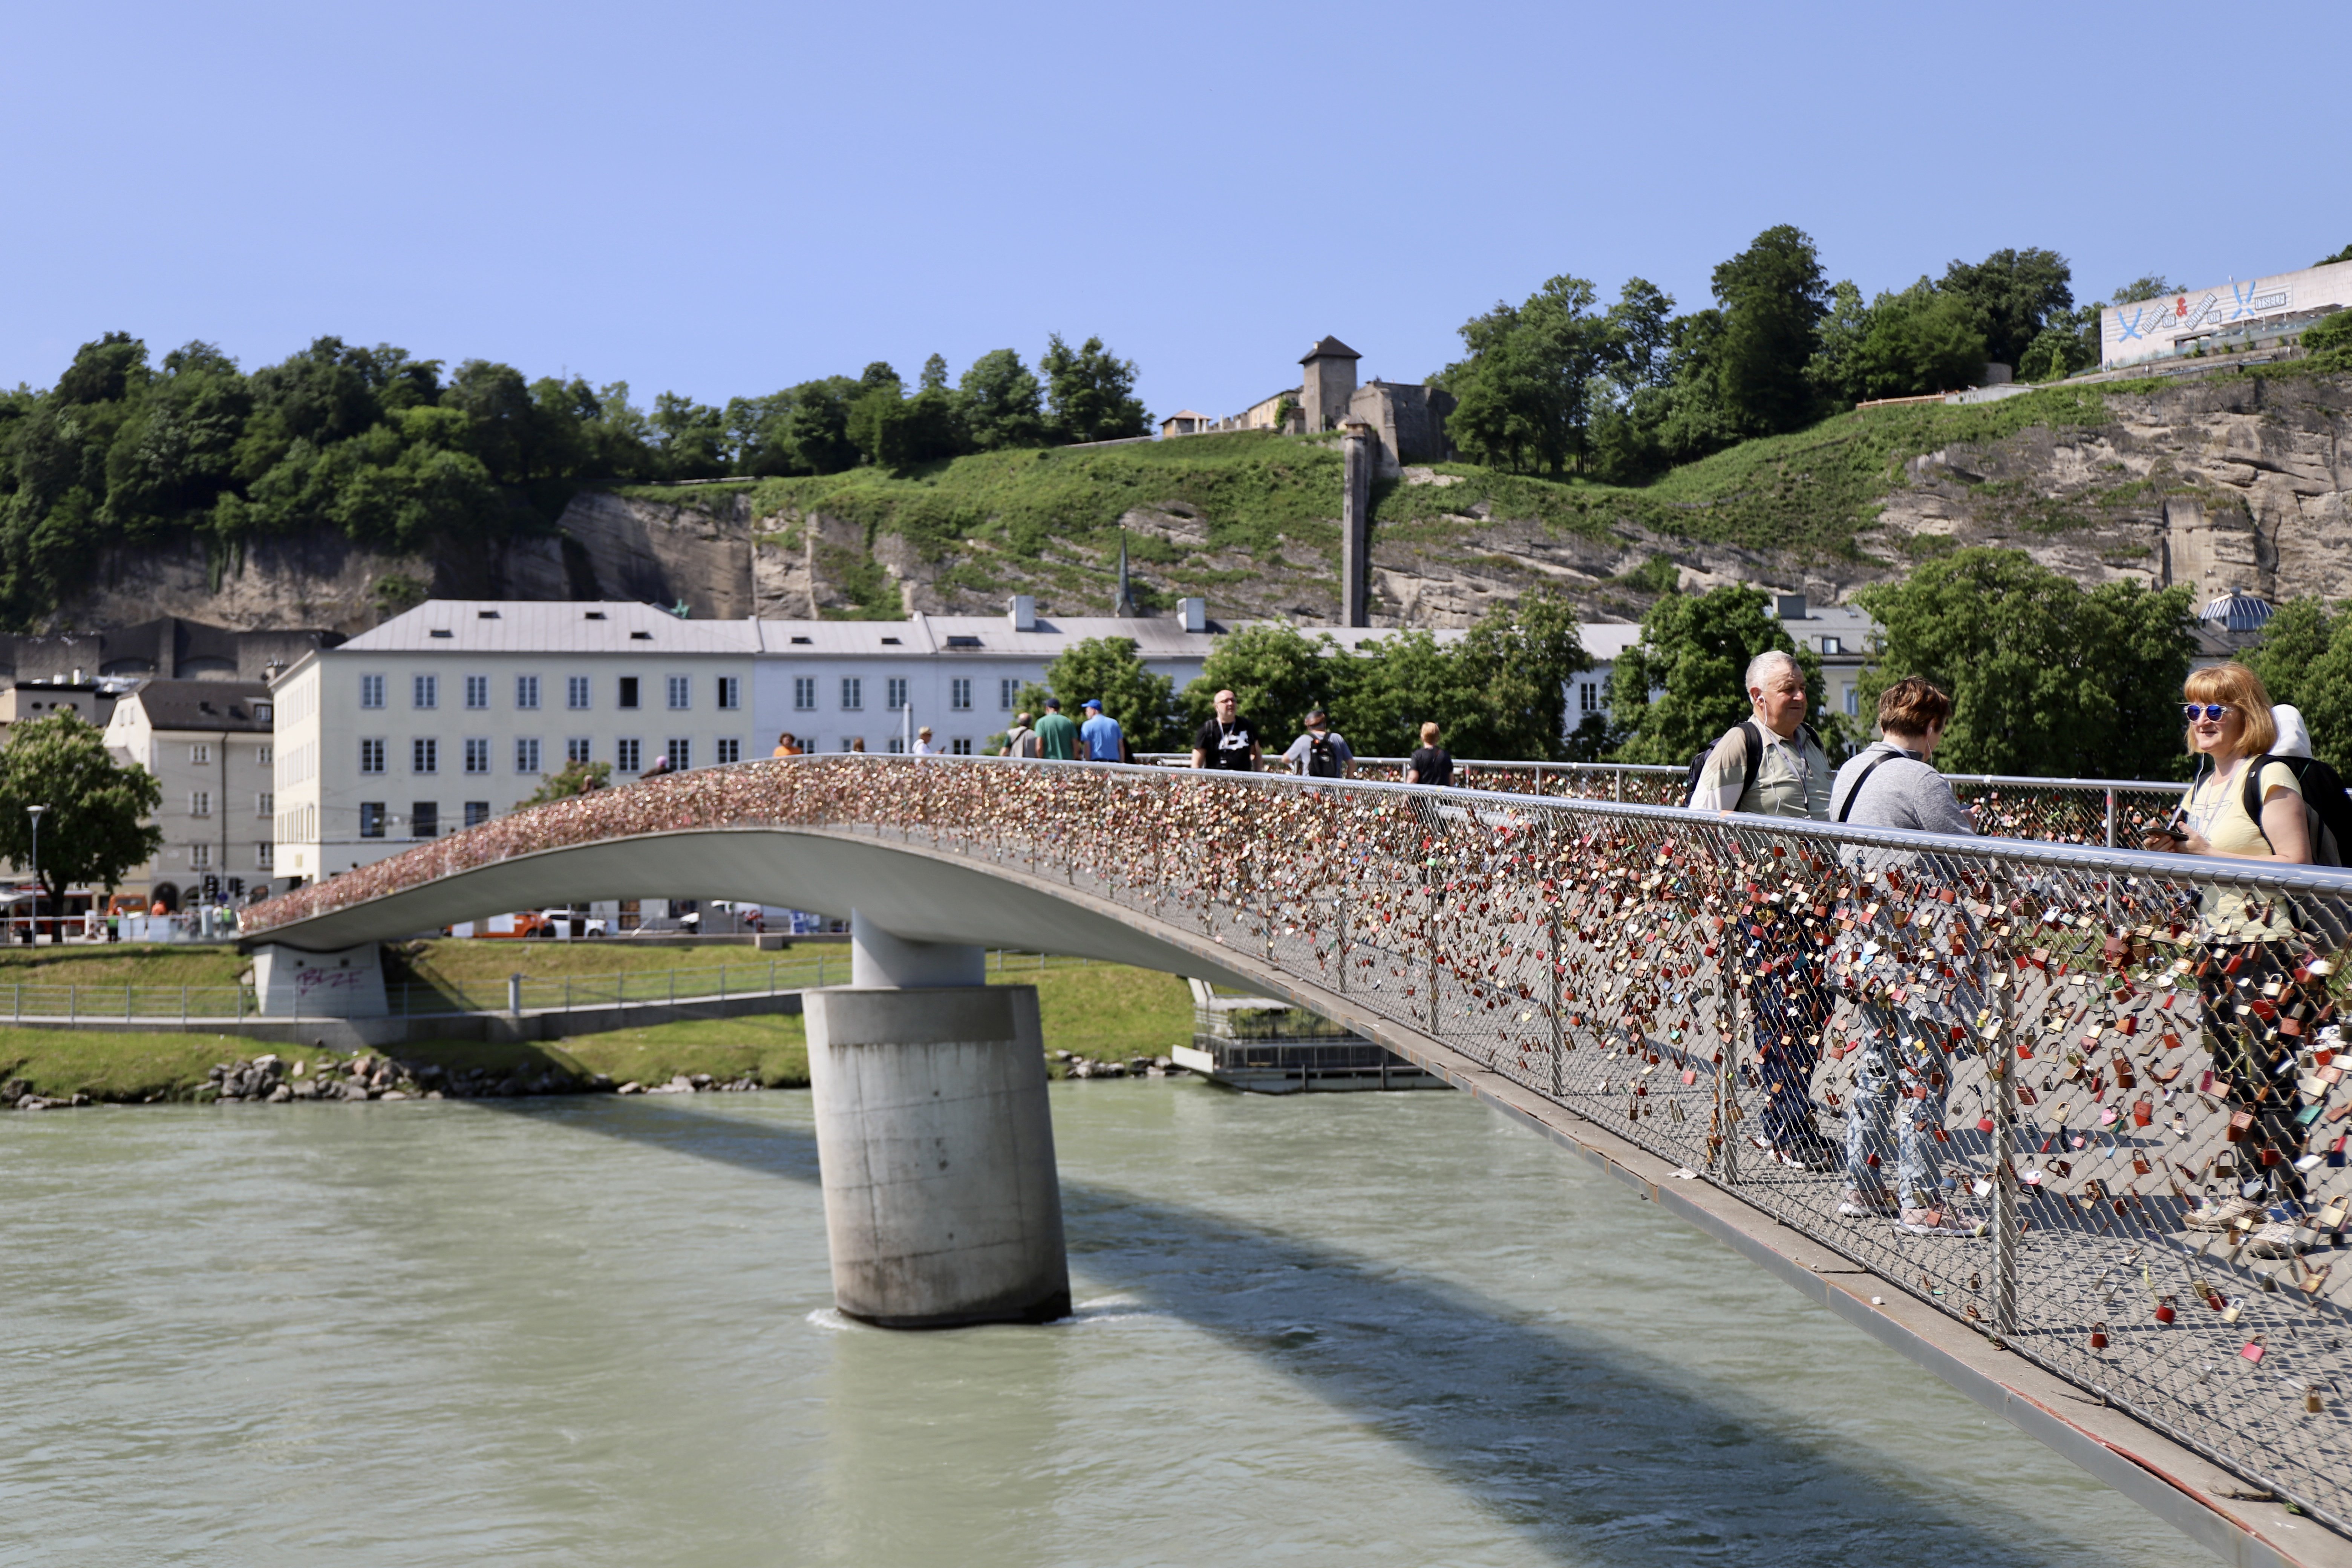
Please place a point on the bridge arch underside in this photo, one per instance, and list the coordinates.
(906, 891)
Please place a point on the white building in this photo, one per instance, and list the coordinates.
(208, 743)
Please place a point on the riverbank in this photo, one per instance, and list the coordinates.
(1096, 1013)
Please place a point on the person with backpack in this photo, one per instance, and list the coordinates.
(1021, 741)
(2247, 803)
(1320, 753)
(1902, 1076)
(1771, 763)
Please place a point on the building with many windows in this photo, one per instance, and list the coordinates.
(210, 745)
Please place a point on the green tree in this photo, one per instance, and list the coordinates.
(95, 827)
(2293, 640)
(571, 779)
(1772, 296)
(1407, 680)
(1523, 394)
(1276, 676)
(935, 375)
(1920, 341)
(1110, 670)
(1090, 393)
(1001, 403)
(815, 438)
(1521, 657)
(2046, 679)
(1694, 656)
(2343, 255)
(2011, 296)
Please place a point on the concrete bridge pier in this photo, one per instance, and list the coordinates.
(290, 983)
(942, 1202)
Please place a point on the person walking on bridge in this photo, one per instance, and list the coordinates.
(1227, 742)
(1432, 765)
(1320, 753)
(1100, 738)
(1021, 741)
(1771, 763)
(1903, 1074)
(1057, 737)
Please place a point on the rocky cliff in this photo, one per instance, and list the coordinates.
(2231, 480)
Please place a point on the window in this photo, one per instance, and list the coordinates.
(263, 756)
(200, 803)
(730, 750)
(264, 856)
(681, 691)
(478, 812)
(804, 693)
(576, 749)
(960, 694)
(200, 753)
(853, 692)
(1588, 697)
(370, 756)
(896, 743)
(478, 755)
(424, 819)
(265, 804)
(371, 819)
(527, 691)
(200, 855)
(1006, 690)
(680, 753)
(424, 755)
(1853, 701)
(853, 744)
(1833, 645)
(526, 753)
(895, 688)
(961, 746)
(964, 642)
(477, 691)
(424, 692)
(730, 692)
(575, 692)
(628, 692)
(625, 756)
(371, 690)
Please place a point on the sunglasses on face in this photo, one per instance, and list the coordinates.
(2192, 711)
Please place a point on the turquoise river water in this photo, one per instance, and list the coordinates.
(1350, 1329)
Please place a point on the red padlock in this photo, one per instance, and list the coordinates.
(1984, 1123)
(2098, 1339)
(2164, 1314)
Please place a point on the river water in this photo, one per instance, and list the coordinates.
(1359, 1330)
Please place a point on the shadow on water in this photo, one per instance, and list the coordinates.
(1585, 1448)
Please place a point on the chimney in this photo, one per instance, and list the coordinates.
(1024, 612)
(1792, 607)
(1195, 614)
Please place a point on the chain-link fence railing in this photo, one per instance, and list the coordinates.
(2087, 1100)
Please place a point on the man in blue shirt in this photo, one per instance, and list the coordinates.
(1101, 734)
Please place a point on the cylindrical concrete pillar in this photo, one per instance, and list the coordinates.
(942, 1202)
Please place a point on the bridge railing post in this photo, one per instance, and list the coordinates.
(2004, 1158)
(1553, 966)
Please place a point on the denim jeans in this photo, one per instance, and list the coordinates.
(1900, 1083)
(1790, 1006)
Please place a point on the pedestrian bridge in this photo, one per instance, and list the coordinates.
(1609, 973)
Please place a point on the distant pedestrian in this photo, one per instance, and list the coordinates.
(857, 744)
(1320, 754)
(1432, 764)
(1100, 735)
(661, 765)
(787, 746)
(1057, 737)
(923, 747)
(1227, 742)
(1020, 740)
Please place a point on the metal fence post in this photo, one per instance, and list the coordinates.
(1552, 964)
(1340, 905)
(2111, 817)
(2004, 1175)
(1429, 886)
(1621, 785)
(1727, 1075)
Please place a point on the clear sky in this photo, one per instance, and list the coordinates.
(721, 198)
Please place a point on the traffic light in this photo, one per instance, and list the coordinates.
(236, 887)
(212, 887)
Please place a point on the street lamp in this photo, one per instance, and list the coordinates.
(37, 811)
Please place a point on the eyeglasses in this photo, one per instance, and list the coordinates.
(2213, 710)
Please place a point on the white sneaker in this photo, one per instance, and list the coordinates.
(1872, 1205)
(2275, 1239)
(2222, 1214)
(1937, 1221)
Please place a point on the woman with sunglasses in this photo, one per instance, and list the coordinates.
(2247, 946)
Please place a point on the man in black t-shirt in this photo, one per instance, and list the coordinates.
(1228, 741)
(1432, 765)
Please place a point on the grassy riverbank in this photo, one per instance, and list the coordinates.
(1108, 1012)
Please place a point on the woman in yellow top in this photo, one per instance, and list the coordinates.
(2248, 942)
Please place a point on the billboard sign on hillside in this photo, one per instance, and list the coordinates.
(2150, 327)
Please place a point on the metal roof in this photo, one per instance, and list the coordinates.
(215, 705)
(2239, 611)
(1329, 348)
(511, 625)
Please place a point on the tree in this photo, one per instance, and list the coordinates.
(571, 779)
(2305, 658)
(1276, 676)
(815, 438)
(935, 375)
(2343, 255)
(1110, 670)
(2046, 679)
(1683, 684)
(1521, 657)
(1089, 393)
(1522, 397)
(2011, 295)
(95, 828)
(1001, 403)
(1917, 341)
(1772, 296)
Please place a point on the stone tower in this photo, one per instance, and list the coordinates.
(1330, 368)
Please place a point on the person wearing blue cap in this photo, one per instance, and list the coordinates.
(1101, 738)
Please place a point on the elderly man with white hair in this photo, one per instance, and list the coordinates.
(1771, 763)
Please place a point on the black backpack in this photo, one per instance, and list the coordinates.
(2327, 810)
(1753, 734)
(1322, 757)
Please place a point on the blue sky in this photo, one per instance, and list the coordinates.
(724, 199)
